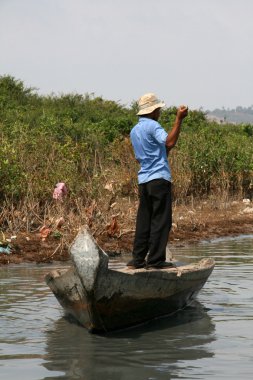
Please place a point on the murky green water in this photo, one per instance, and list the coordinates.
(212, 339)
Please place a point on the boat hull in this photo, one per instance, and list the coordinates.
(106, 299)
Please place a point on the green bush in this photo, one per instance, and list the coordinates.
(74, 138)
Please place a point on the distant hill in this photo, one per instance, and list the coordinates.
(237, 116)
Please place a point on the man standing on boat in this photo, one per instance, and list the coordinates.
(151, 145)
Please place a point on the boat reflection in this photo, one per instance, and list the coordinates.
(159, 349)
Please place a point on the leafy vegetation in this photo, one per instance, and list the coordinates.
(83, 141)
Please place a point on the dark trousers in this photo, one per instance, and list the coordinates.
(154, 219)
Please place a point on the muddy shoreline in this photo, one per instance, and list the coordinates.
(190, 226)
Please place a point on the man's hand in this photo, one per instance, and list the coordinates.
(182, 112)
(172, 137)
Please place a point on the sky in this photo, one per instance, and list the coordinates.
(193, 52)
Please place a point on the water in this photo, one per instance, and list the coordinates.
(212, 339)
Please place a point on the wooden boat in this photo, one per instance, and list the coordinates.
(102, 298)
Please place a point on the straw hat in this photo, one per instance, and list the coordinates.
(148, 103)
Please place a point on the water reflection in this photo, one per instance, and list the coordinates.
(145, 352)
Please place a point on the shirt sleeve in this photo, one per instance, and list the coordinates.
(159, 134)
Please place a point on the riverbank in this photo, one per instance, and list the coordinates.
(191, 224)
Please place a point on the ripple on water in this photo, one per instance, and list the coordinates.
(212, 339)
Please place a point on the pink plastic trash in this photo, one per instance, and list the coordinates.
(44, 232)
(60, 191)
